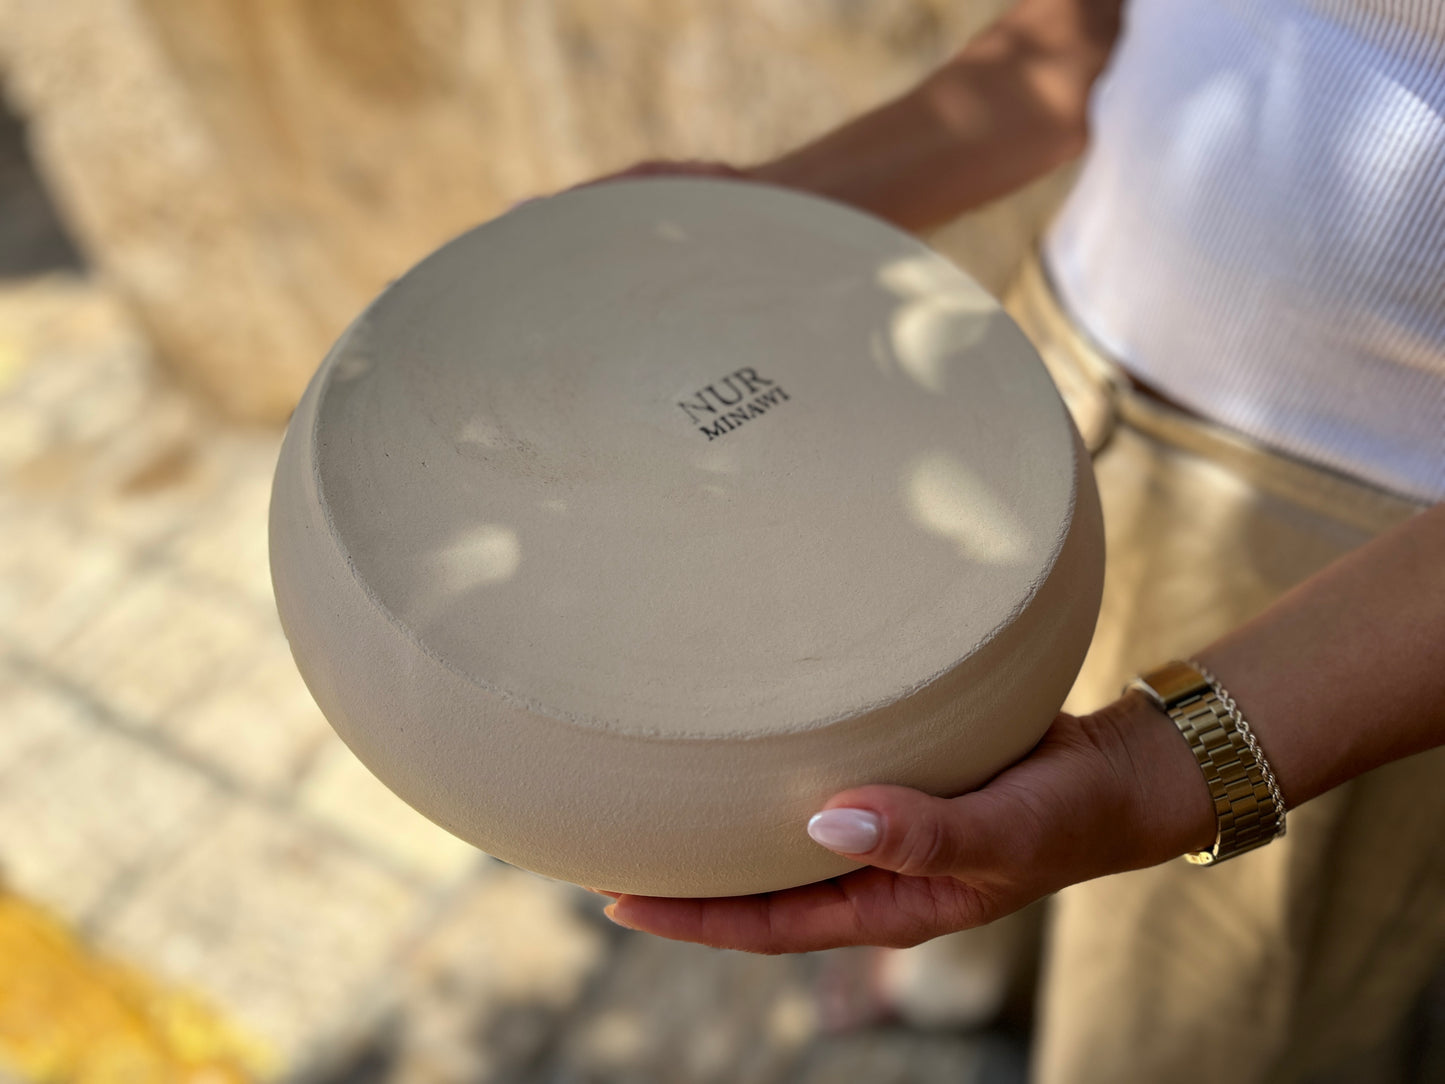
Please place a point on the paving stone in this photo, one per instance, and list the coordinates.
(71, 316)
(24, 433)
(137, 484)
(282, 928)
(899, 1056)
(523, 980)
(227, 540)
(150, 480)
(92, 391)
(54, 576)
(341, 792)
(160, 641)
(33, 720)
(262, 729)
(485, 995)
(671, 1012)
(89, 809)
(74, 374)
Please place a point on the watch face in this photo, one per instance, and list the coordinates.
(1172, 683)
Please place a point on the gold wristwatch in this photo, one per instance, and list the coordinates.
(1247, 803)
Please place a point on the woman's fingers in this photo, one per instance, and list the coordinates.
(866, 907)
(795, 920)
(934, 865)
(908, 832)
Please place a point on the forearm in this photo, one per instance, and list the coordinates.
(1007, 109)
(1343, 674)
(1347, 672)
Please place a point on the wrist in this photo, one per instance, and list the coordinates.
(1170, 806)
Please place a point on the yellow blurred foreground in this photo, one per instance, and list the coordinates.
(70, 1017)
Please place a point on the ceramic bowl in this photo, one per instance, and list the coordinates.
(625, 529)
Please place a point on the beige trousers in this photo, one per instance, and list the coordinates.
(1290, 959)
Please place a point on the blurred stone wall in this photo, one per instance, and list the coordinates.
(248, 173)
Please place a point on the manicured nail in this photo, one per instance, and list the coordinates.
(848, 831)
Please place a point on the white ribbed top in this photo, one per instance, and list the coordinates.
(1259, 227)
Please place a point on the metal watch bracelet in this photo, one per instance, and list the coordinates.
(1248, 808)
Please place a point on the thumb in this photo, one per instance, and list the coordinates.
(905, 830)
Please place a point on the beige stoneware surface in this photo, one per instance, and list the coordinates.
(624, 529)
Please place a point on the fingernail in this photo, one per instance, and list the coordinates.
(848, 831)
(611, 912)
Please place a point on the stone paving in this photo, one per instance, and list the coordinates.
(168, 789)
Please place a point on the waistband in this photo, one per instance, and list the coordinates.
(1101, 397)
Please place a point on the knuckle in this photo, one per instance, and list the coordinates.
(1024, 841)
(924, 849)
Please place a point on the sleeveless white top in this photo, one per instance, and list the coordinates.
(1258, 230)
